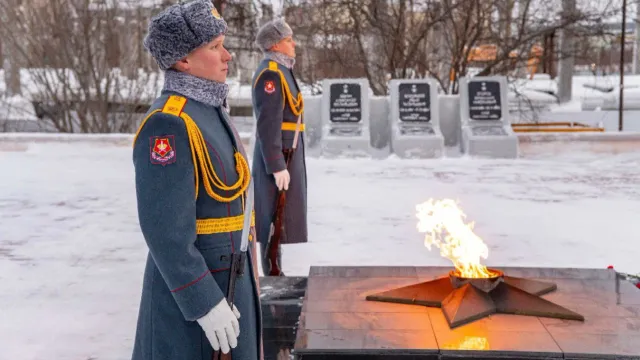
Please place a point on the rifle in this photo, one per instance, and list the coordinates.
(277, 223)
(236, 267)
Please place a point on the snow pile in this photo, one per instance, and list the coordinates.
(17, 108)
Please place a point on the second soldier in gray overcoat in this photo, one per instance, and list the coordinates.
(278, 102)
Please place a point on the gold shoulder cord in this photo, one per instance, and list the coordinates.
(200, 155)
(297, 104)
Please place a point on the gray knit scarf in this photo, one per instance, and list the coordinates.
(209, 92)
(280, 58)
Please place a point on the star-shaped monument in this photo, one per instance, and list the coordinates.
(464, 300)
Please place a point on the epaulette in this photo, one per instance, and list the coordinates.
(273, 66)
(297, 104)
(175, 106)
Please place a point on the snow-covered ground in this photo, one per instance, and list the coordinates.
(72, 256)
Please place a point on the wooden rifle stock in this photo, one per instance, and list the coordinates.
(274, 240)
(278, 217)
(278, 227)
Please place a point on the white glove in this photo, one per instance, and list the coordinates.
(282, 179)
(221, 326)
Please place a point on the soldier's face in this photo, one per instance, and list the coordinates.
(286, 46)
(210, 61)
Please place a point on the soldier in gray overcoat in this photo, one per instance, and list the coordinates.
(277, 104)
(192, 179)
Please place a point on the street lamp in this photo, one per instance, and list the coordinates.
(622, 43)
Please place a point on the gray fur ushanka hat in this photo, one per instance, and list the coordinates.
(271, 33)
(182, 28)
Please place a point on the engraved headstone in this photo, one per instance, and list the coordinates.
(414, 102)
(345, 118)
(414, 118)
(346, 103)
(484, 100)
(485, 121)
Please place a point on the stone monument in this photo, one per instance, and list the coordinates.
(337, 321)
(485, 122)
(414, 119)
(345, 118)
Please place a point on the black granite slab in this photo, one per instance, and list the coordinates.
(336, 322)
(281, 303)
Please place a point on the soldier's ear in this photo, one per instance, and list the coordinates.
(182, 65)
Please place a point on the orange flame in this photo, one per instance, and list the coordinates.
(443, 223)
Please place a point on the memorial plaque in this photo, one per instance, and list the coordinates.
(484, 100)
(416, 131)
(345, 104)
(488, 131)
(414, 102)
(348, 132)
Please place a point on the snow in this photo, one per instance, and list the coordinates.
(72, 256)
(18, 108)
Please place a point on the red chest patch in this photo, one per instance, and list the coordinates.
(269, 87)
(163, 149)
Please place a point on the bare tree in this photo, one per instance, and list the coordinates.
(243, 18)
(509, 52)
(72, 51)
(443, 39)
(11, 68)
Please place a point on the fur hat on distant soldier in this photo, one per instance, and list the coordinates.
(271, 33)
(182, 28)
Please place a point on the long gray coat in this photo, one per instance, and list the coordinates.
(186, 273)
(271, 110)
